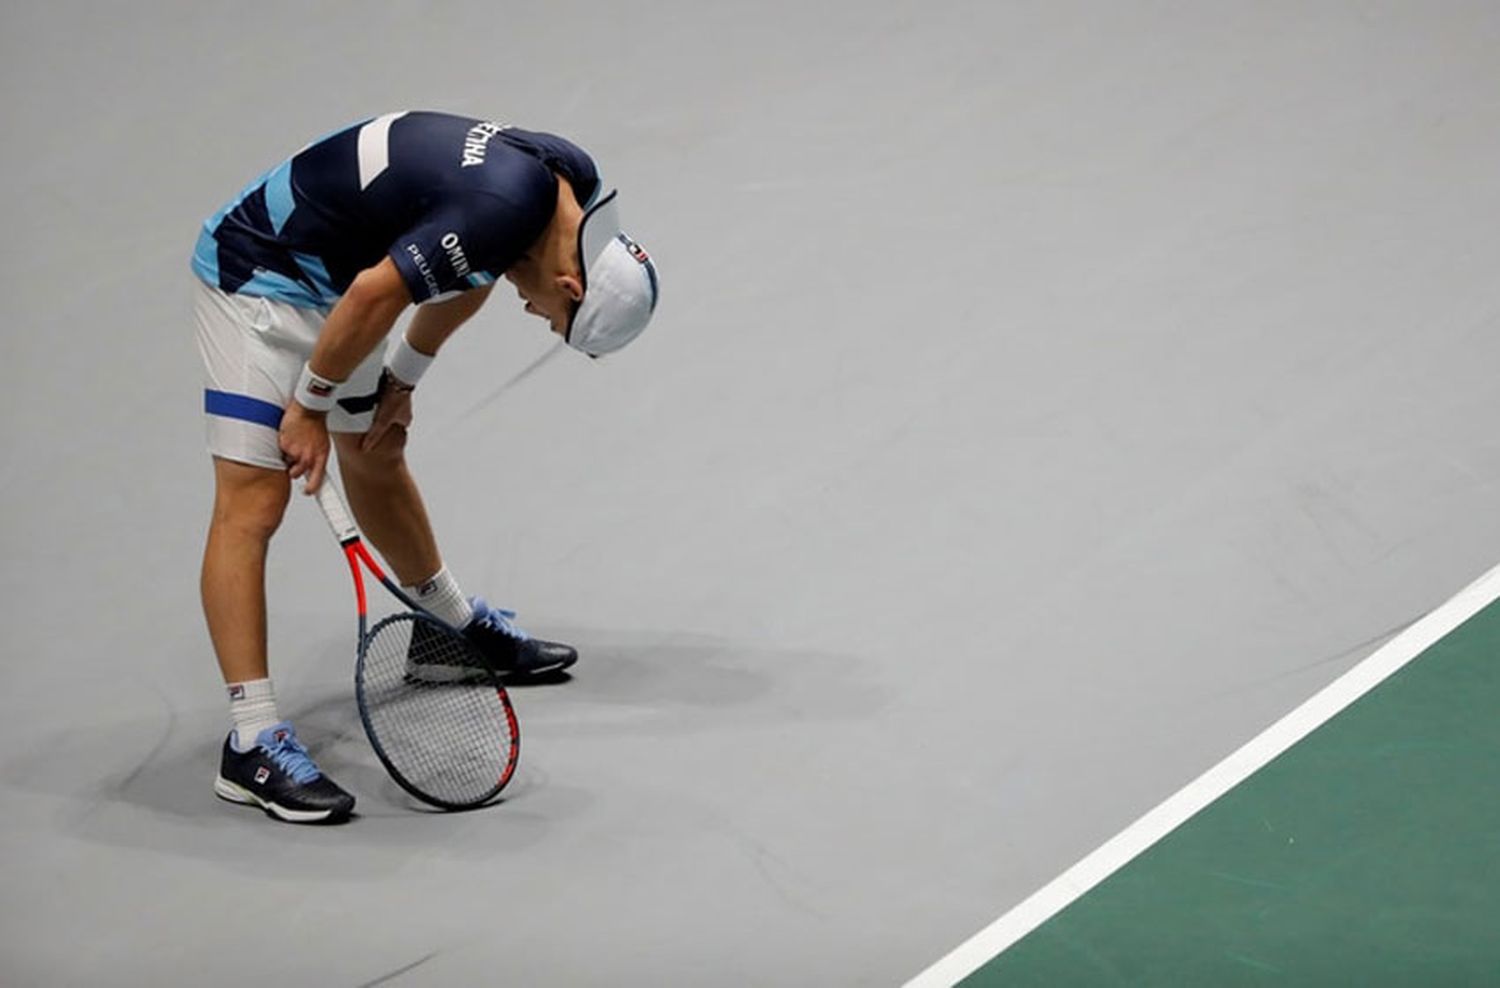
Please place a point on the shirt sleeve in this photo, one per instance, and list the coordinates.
(466, 243)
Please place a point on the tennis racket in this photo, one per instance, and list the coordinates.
(451, 741)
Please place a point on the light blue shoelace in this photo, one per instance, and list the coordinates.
(292, 758)
(496, 618)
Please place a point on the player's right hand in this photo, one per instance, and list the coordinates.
(305, 445)
(392, 411)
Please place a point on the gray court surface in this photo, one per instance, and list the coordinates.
(1044, 398)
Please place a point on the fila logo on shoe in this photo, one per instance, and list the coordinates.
(261, 775)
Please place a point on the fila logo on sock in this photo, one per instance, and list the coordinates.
(426, 588)
(237, 691)
(261, 775)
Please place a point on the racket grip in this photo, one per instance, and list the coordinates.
(336, 513)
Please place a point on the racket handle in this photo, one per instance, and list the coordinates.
(335, 513)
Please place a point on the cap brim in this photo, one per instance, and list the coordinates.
(598, 228)
(619, 283)
(600, 223)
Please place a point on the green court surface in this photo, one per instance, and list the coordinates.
(1367, 853)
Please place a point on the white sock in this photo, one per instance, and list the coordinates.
(441, 596)
(252, 708)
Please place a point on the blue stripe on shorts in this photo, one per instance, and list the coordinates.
(243, 407)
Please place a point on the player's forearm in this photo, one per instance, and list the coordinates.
(432, 324)
(357, 324)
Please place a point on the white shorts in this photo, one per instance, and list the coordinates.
(253, 350)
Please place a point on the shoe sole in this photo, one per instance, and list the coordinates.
(423, 672)
(232, 793)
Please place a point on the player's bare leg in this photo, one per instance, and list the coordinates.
(389, 510)
(266, 768)
(249, 503)
(387, 504)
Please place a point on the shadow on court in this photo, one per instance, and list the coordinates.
(644, 683)
(146, 783)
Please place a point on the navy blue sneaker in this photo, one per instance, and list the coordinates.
(278, 776)
(512, 653)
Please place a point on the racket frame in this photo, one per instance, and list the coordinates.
(357, 555)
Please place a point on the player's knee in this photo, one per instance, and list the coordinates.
(388, 452)
(255, 518)
(250, 501)
(392, 445)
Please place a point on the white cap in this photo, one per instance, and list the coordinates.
(619, 283)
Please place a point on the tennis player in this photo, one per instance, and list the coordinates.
(300, 280)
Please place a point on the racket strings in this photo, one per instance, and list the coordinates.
(452, 741)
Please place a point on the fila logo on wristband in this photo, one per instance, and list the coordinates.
(313, 392)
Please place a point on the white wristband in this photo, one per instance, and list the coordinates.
(315, 393)
(407, 364)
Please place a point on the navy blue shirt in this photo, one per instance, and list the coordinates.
(453, 201)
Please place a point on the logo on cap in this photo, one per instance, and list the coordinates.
(636, 250)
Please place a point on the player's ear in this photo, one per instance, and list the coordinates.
(570, 286)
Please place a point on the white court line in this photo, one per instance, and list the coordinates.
(1045, 903)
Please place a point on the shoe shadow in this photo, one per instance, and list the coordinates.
(557, 677)
(669, 683)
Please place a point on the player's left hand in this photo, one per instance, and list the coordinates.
(305, 444)
(392, 409)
